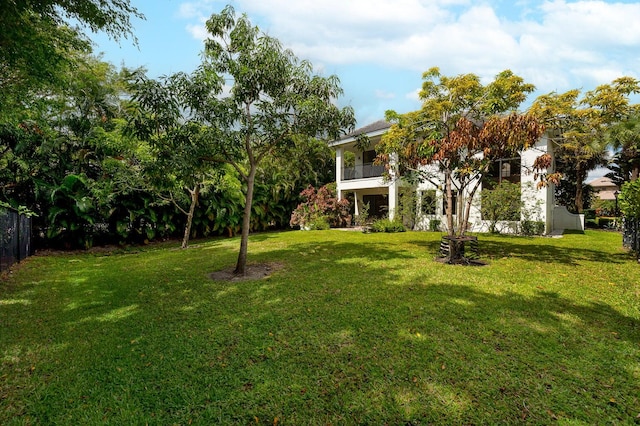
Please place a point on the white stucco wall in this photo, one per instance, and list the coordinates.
(539, 202)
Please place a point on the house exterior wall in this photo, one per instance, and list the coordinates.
(539, 203)
(360, 186)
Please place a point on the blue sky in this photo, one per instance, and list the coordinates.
(379, 48)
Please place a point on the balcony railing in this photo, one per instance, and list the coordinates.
(362, 172)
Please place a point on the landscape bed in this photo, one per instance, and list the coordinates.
(349, 328)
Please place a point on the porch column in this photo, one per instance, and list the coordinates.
(355, 204)
(339, 164)
(393, 189)
(393, 199)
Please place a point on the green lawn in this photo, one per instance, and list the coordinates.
(354, 329)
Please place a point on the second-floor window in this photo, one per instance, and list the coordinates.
(368, 157)
(505, 169)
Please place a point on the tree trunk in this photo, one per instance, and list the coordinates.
(449, 195)
(246, 223)
(195, 193)
(635, 172)
(467, 208)
(580, 176)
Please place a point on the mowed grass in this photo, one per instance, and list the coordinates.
(354, 329)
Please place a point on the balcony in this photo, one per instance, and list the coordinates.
(367, 170)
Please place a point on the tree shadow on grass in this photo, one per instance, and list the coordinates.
(474, 357)
(431, 247)
(451, 354)
(340, 335)
(533, 250)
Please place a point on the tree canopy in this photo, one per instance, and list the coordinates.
(581, 124)
(273, 97)
(163, 113)
(39, 39)
(462, 127)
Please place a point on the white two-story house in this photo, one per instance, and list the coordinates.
(360, 179)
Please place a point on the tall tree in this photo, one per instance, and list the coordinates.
(580, 125)
(164, 114)
(272, 97)
(461, 129)
(624, 138)
(40, 38)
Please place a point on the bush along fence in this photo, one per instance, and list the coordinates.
(15, 237)
(631, 235)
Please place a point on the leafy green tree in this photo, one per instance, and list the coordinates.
(458, 133)
(71, 146)
(565, 190)
(163, 113)
(629, 204)
(272, 97)
(41, 40)
(283, 176)
(37, 36)
(51, 153)
(624, 137)
(580, 125)
(504, 202)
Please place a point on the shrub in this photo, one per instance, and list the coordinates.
(607, 222)
(434, 225)
(504, 202)
(532, 227)
(319, 224)
(629, 199)
(362, 217)
(387, 225)
(322, 203)
(407, 208)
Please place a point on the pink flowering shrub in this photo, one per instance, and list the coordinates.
(321, 207)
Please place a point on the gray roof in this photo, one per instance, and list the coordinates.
(369, 128)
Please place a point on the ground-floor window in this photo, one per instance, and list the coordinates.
(378, 205)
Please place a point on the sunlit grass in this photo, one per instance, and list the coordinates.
(354, 329)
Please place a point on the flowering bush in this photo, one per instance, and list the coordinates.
(321, 206)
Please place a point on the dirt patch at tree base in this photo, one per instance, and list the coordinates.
(255, 271)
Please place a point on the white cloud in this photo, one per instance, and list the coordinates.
(188, 10)
(556, 44)
(595, 22)
(414, 95)
(198, 31)
(382, 94)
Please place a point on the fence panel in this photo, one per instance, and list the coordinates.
(631, 235)
(25, 248)
(15, 237)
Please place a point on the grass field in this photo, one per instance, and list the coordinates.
(354, 329)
